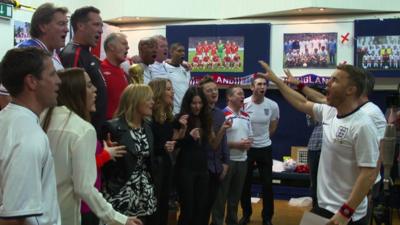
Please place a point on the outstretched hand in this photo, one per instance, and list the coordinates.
(270, 74)
(290, 78)
(338, 219)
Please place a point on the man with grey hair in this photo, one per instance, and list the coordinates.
(147, 53)
(158, 67)
(116, 48)
(49, 27)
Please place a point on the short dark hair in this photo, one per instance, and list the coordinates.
(148, 41)
(43, 15)
(17, 63)
(257, 76)
(174, 46)
(356, 75)
(206, 79)
(229, 91)
(81, 16)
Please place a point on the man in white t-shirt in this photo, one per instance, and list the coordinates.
(28, 193)
(239, 141)
(147, 53)
(177, 74)
(158, 69)
(349, 153)
(371, 109)
(264, 116)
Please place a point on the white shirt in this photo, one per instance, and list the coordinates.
(27, 179)
(376, 115)
(348, 143)
(180, 79)
(73, 144)
(146, 73)
(261, 116)
(158, 70)
(241, 129)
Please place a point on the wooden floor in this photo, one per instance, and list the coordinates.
(288, 215)
(284, 214)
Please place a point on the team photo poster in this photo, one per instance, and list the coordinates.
(216, 54)
(310, 50)
(378, 52)
(21, 31)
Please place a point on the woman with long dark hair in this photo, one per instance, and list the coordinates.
(73, 143)
(192, 169)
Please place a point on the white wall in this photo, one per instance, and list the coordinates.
(344, 51)
(340, 24)
(134, 35)
(7, 29)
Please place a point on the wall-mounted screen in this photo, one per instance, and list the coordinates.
(216, 54)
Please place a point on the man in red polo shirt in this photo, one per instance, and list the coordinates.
(116, 48)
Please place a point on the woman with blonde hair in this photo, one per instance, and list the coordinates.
(73, 143)
(166, 132)
(127, 181)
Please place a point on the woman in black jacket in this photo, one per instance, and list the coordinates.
(191, 165)
(166, 132)
(128, 182)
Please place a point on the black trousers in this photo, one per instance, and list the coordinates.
(89, 219)
(327, 214)
(213, 186)
(313, 162)
(162, 182)
(262, 159)
(193, 195)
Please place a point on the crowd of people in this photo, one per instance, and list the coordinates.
(86, 142)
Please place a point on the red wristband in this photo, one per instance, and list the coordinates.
(346, 211)
(300, 86)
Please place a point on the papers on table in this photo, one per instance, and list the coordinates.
(313, 219)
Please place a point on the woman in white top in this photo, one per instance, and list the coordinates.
(73, 144)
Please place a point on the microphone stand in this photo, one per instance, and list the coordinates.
(383, 214)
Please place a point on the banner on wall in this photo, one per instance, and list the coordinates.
(309, 79)
(223, 80)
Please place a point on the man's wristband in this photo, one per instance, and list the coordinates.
(346, 211)
(300, 86)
